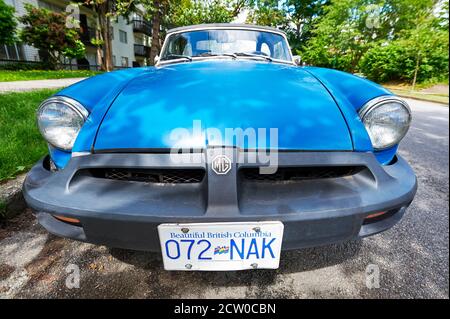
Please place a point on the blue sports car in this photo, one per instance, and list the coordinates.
(222, 155)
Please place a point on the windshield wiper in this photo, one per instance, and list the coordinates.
(208, 54)
(265, 57)
(179, 56)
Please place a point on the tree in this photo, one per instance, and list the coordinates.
(267, 12)
(443, 15)
(348, 29)
(302, 16)
(8, 24)
(189, 12)
(47, 31)
(155, 11)
(105, 11)
(417, 53)
(337, 39)
(166, 14)
(295, 17)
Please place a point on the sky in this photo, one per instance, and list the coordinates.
(241, 17)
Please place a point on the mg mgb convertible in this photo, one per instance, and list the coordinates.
(224, 153)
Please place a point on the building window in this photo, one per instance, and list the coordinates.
(111, 32)
(114, 60)
(124, 61)
(138, 39)
(49, 6)
(123, 36)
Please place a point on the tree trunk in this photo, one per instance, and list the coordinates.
(416, 71)
(155, 46)
(104, 26)
(49, 61)
(99, 49)
(99, 37)
(238, 8)
(108, 47)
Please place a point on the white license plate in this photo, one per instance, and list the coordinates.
(221, 246)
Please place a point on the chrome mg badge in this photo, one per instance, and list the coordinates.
(221, 165)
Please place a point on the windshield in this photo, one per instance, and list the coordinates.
(233, 42)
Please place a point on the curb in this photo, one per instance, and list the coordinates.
(420, 99)
(12, 202)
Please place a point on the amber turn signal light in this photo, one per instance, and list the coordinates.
(67, 219)
(375, 215)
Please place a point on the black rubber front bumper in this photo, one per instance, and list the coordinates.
(126, 214)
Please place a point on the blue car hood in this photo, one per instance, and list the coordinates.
(214, 96)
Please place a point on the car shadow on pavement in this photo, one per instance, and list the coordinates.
(291, 262)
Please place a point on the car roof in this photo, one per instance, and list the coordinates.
(224, 25)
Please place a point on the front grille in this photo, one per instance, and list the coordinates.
(167, 176)
(284, 174)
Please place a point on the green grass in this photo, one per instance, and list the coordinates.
(21, 75)
(439, 98)
(21, 144)
(423, 91)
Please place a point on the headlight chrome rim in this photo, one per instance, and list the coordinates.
(69, 102)
(379, 101)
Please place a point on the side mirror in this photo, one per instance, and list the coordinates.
(156, 60)
(297, 60)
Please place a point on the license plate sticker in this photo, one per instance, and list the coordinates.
(221, 246)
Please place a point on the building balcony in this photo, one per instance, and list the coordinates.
(142, 26)
(141, 50)
(87, 34)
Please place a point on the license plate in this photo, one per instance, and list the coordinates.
(221, 246)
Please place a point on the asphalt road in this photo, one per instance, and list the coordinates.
(412, 257)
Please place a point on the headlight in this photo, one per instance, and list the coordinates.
(60, 120)
(387, 121)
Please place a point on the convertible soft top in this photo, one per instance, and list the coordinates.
(222, 25)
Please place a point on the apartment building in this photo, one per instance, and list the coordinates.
(131, 38)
